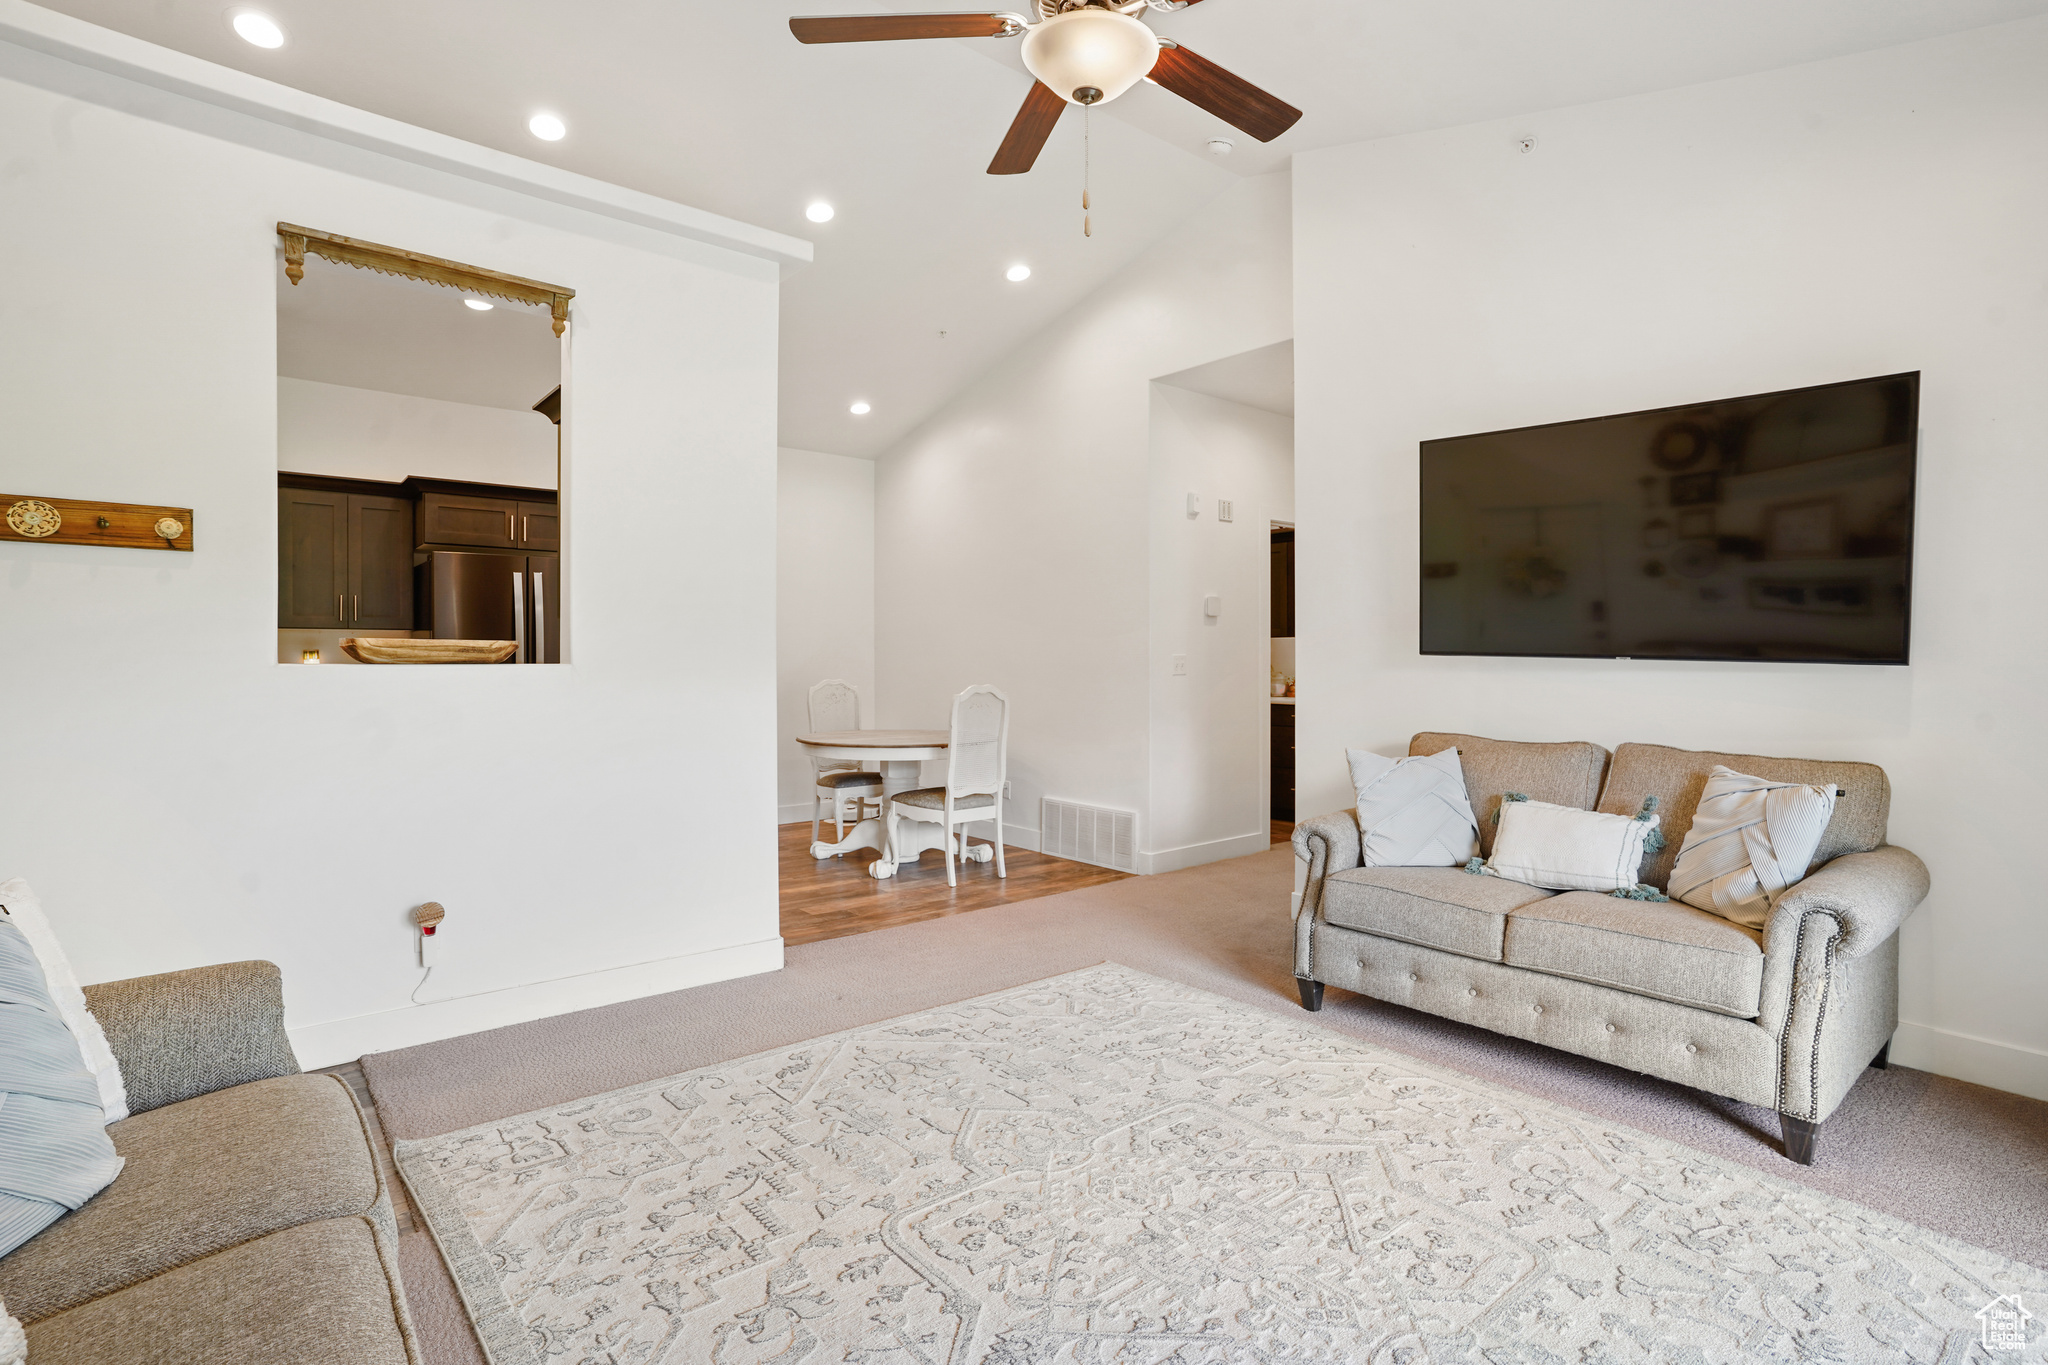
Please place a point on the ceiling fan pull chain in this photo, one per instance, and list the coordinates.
(1087, 169)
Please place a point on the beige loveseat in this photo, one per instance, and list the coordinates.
(250, 1224)
(1787, 1019)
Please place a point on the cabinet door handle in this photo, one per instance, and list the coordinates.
(540, 618)
(341, 608)
(525, 528)
(508, 526)
(358, 600)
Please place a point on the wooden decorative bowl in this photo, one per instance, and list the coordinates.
(400, 650)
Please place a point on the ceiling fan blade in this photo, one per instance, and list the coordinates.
(1028, 131)
(878, 28)
(1233, 99)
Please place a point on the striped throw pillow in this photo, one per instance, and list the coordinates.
(1750, 840)
(54, 1150)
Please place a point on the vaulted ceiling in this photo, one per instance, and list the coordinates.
(712, 103)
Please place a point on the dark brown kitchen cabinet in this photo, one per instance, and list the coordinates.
(540, 526)
(379, 562)
(344, 560)
(465, 519)
(312, 558)
(1283, 585)
(1283, 760)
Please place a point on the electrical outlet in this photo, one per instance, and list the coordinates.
(1006, 791)
(1180, 665)
(1226, 509)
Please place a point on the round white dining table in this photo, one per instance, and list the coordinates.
(901, 754)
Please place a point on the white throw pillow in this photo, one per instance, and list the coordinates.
(1563, 848)
(1413, 812)
(25, 912)
(13, 1341)
(1750, 839)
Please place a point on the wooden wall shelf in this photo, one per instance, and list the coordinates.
(124, 525)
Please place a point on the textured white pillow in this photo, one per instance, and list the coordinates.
(1563, 848)
(1413, 812)
(13, 1341)
(1750, 839)
(25, 912)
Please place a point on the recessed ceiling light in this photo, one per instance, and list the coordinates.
(819, 211)
(547, 127)
(1018, 273)
(860, 408)
(259, 29)
(481, 305)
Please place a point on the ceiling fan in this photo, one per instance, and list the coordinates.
(1083, 52)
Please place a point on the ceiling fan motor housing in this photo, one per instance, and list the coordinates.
(1090, 55)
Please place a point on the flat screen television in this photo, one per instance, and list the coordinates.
(1773, 527)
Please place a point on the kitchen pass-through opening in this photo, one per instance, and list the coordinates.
(419, 459)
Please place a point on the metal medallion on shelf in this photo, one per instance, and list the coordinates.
(32, 517)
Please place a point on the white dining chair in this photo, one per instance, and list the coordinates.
(977, 761)
(835, 705)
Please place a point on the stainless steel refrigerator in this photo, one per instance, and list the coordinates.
(463, 595)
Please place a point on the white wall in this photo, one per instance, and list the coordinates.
(178, 798)
(1011, 541)
(1856, 217)
(365, 434)
(1211, 727)
(824, 600)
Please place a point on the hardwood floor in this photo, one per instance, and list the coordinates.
(1283, 831)
(832, 897)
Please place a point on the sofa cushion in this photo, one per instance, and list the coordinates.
(316, 1294)
(202, 1175)
(1664, 950)
(1437, 907)
(1563, 774)
(1677, 777)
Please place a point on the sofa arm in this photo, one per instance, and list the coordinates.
(1322, 845)
(1869, 894)
(1830, 988)
(189, 1033)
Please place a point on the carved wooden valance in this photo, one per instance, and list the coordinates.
(389, 260)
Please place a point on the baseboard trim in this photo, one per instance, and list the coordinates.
(1966, 1057)
(344, 1040)
(1214, 851)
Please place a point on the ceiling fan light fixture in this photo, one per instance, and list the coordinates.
(1090, 56)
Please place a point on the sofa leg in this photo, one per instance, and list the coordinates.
(1801, 1138)
(1311, 993)
(1883, 1060)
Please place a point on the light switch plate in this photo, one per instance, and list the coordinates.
(1180, 665)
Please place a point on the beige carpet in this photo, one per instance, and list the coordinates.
(1964, 1161)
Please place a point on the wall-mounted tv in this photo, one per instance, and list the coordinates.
(1773, 527)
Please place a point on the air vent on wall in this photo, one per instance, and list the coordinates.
(1089, 834)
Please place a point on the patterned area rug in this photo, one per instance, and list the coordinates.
(1107, 1167)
